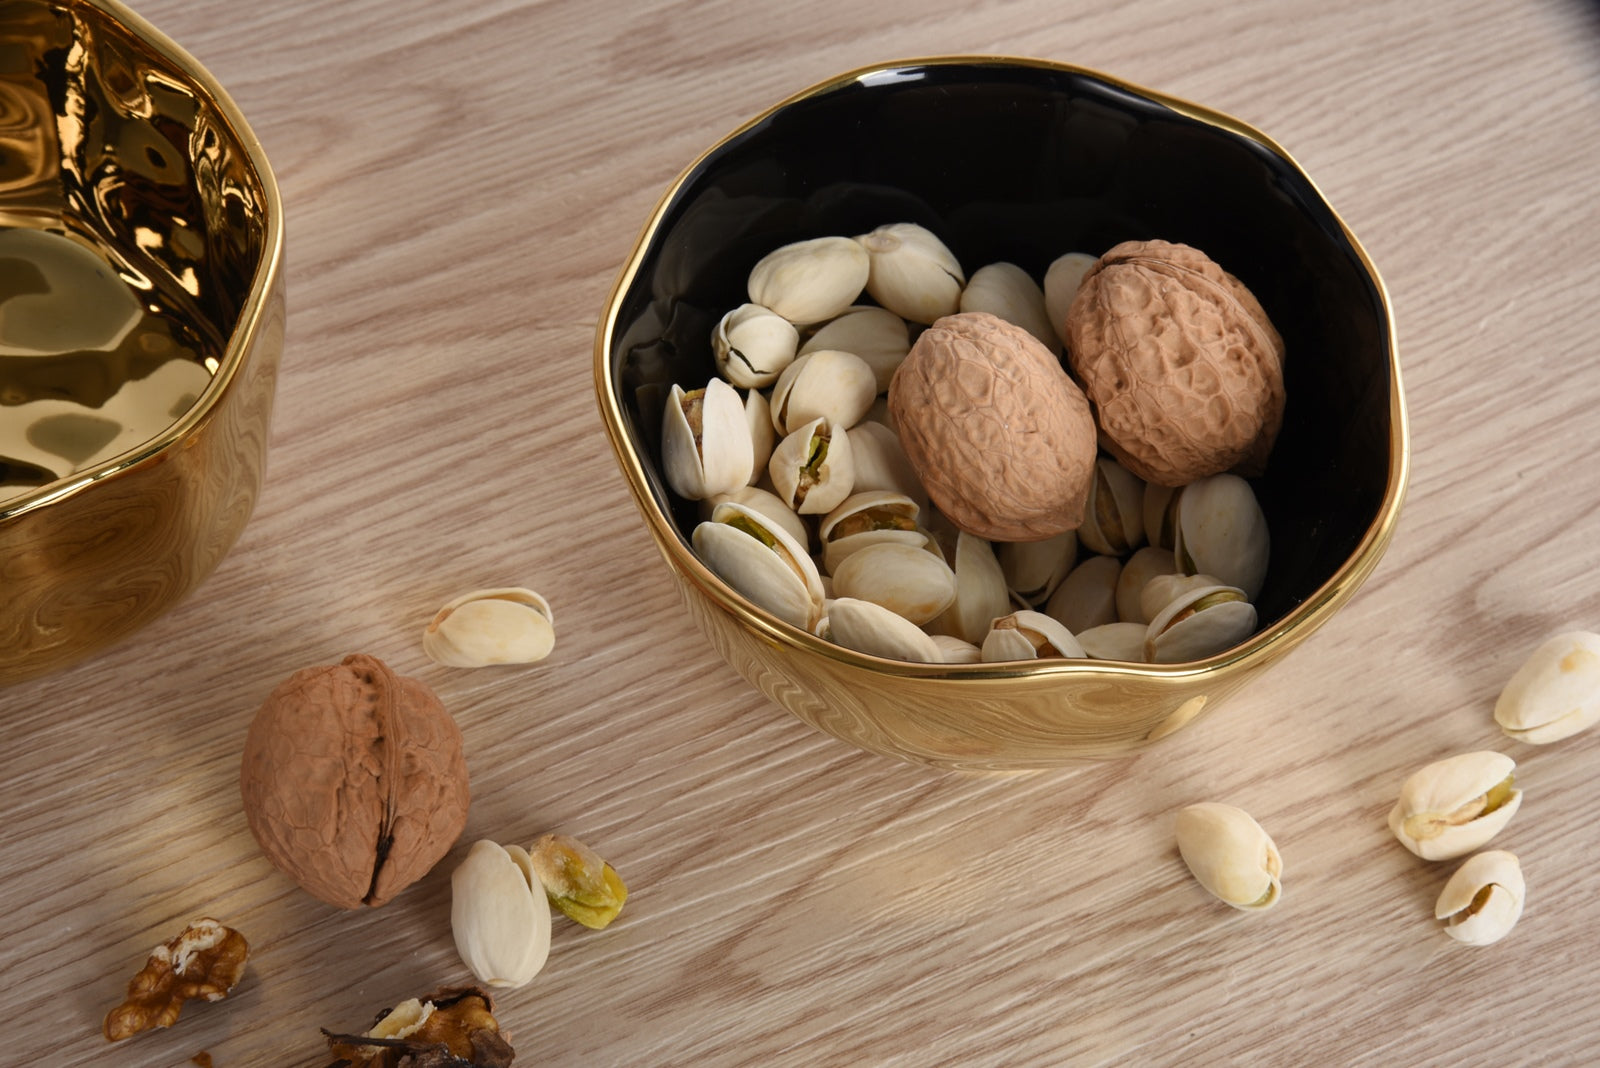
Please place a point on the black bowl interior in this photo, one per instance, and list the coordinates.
(1015, 162)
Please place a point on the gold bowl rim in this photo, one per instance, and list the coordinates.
(1259, 649)
(241, 340)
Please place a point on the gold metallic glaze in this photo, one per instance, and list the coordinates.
(982, 717)
(141, 323)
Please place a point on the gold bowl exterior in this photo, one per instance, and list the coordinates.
(981, 717)
(116, 141)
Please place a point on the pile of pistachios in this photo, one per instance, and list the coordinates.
(812, 511)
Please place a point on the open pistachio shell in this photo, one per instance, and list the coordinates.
(911, 272)
(752, 345)
(881, 462)
(1114, 641)
(1555, 693)
(1007, 292)
(1220, 531)
(827, 384)
(810, 281)
(769, 504)
(759, 559)
(705, 441)
(1087, 597)
(1161, 590)
(1483, 899)
(812, 469)
(1034, 569)
(1061, 281)
(877, 335)
(1027, 635)
(981, 594)
(868, 518)
(510, 625)
(905, 579)
(1113, 516)
(1230, 855)
(872, 629)
(1454, 806)
(1144, 565)
(1201, 623)
(758, 417)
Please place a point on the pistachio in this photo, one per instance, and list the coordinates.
(1161, 590)
(1483, 899)
(911, 272)
(1159, 509)
(1029, 636)
(500, 923)
(980, 590)
(877, 335)
(576, 881)
(1143, 566)
(1113, 516)
(1114, 641)
(1454, 806)
(1219, 530)
(1061, 280)
(1034, 569)
(872, 629)
(881, 462)
(705, 441)
(812, 469)
(752, 345)
(810, 281)
(1230, 855)
(511, 625)
(953, 650)
(867, 518)
(758, 417)
(826, 384)
(767, 504)
(1007, 292)
(1087, 597)
(761, 561)
(905, 579)
(1555, 693)
(1198, 624)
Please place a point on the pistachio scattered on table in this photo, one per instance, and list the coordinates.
(1453, 806)
(1555, 693)
(1483, 899)
(510, 625)
(1230, 855)
(577, 882)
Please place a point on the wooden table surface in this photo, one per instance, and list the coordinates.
(462, 182)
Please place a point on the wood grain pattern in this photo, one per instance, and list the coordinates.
(461, 182)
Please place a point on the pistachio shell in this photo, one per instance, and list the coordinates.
(827, 384)
(1061, 281)
(1483, 899)
(1113, 516)
(868, 518)
(812, 469)
(762, 562)
(953, 650)
(501, 925)
(1159, 510)
(768, 504)
(881, 463)
(705, 441)
(511, 625)
(911, 272)
(810, 281)
(980, 590)
(1161, 590)
(752, 345)
(872, 629)
(1220, 531)
(1454, 806)
(758, 417)
(877, 335)
(1198, 624)
(1555, 693)
(1028, 635)
(1007, 292)
(1144, 565)
(1034, 569)
(1087, 597)
(1114, 641)
(906, 580)
(1230, 855)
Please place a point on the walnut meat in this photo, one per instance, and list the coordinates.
(353, 781)
(1183, 366)
(454, 1028)
(204, 961)
(1004, 441)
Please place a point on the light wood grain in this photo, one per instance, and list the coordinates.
(462, 182)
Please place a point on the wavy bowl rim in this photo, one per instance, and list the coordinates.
(1261, 648)
(251, 314)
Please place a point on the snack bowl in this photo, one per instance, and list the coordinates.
(1019, 160)
(141, 324)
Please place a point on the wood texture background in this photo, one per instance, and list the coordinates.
(462, 182)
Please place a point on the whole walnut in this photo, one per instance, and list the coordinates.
(1183, 366)
(1003, 440)
(353, 781)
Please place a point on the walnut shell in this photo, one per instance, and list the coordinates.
(1183, 366)
(1004, 441)
(353, 781)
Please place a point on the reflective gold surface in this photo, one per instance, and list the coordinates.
(141, 321)
(997, 717)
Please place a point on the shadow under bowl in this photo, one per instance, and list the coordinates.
(141, 324)
(1019, 160)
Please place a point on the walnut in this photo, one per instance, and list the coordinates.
(353, 781)
(205, 961)
(1004, 441)
(454, 1028)
(1183, 366)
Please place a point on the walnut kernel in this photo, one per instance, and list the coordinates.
(204, 961)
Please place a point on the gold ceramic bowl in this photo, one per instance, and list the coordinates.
(141, 322)
(1019, 160)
